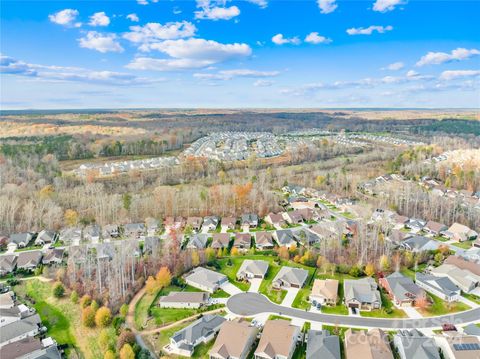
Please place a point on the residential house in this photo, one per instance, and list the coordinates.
(151, 245)
(220, 240)
(418, 244)
(71, 236)
(242, 241)
(173, 223)
(31, 348)
(306, 204)
(91, 234)
(20, 329)
(362, 294)
(46, 237)
(17, 312)
(412, 344)
(471, 255)
(284, 238)
(134, 230)
(234, 341)
(396, 236)
(53, 256)
(29, 260)
(307, 237)
(8, 262)
(195, 223)
(326, 230)
(210, 223)
(462, 278)
(402, 289)
(373, 344)
(264, 240)
(399, 221)
(321, 344)
(205, 279)
(110, 231)
(278, 340)
(435, 228)
(462, 263)
(458, 346)
(415, 224)
(275, 219)
(324, 291)
(442, 287)
(250, 220)
(228, 223)
(472, 329)
(184, 300)
(293, 217)
(19, 240)
(7, 300)
(197, 241)
(252, 269)
(460, 232)
(289, 277)
(153, 225)
(200, 331)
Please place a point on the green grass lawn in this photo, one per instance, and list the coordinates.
(388, 310)
(231, 271)
(440, 307)
(301, 300)
(275, 317)
(471, 297)
(440, 238)
(463, 245)
(220, 294)
(340, 308)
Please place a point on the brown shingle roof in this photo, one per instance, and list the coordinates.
(233, 339)
(277, 338)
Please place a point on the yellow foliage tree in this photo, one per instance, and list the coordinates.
(151, 285)
(127, 352)
(103, 317)
(164, 277)
(234, 251)
(370, 269)
(70, 217)
(195, 259)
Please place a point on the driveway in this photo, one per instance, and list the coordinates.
(412, 312)
(255, 284)
(230, 288)
(290, 297)
(251, 304)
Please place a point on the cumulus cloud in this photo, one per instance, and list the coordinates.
(188, 54)
(101, 42)
(99, 19)
(146, 2)
(65, 17)
(215, 10)
(455, 74)
(327, 6)
(263, 83)
(262, 3)
(153, 31)
(437, 58)
(315, 38)
(230, 74)
(369, 30)
(386, 5)
(12, 66)
(394, 66)
(133, 17)
(279, 39)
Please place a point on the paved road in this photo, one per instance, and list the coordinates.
(250, 304)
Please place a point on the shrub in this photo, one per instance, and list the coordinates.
(124, 310)
(58, 290)
(125, 337)
(74, 297)
(127, 352)
(117, 322)
(85, 301)
(109, 355)
(88, 317)
(103, 317)
(94, 305)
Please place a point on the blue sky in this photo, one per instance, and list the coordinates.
(256, 53)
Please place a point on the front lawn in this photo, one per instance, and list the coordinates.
(301, 300)
(229, 267)
(463, 245)
(471, 297)
(266, 289)
(340, 308)
(440, 307)
(388, 310)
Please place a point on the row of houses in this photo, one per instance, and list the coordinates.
(30, 260)
(21, 332)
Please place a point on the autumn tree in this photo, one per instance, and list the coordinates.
(124, 310)
(103, 317)
(195, 258)
(151, 285)
(125, 337)
(74, 297)
(70, 217)
(88, 317)
(163, 277)
(109, 355)
(209, 254)
(127, 352)
(369, 269)
(234, 252)
(85, 301)
(385, 263)
(283, 253)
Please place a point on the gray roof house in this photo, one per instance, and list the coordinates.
(71, 236)
(8, 263)
(415, 224)
(435, 227)
(419, 244)
(21, 240)
(284, 237)
(252, 269)
(402, 289)
(210, 223)
(264, 240)
(362, 294)
(7, 300)
(442, 287)
(91, 233)
(110, 231)
(197, 241)
(54, 255)
(31, 348)
(202, 330)
(250, 220)
(29, 260)
(184, 300)
(220, 240)
(205, 279)
(321, 344)
(27, 327)
(45, 237)
(242, 240)
(289, 277)
(134, 230)
(414, 345)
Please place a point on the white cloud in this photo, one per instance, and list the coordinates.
(394, 66)
(327, 6)
(280, 40)
(437, 58)
(263, 83)
(369, 30)
(315, 38)
(230, 74)
(99, 19)
(153, 31)
(146, 2)
(65, 17)
(455, 74)
(262, 3)
(215, 10)
(133, 17)
(386, 5)
(11, 66)
(190, 53)
(100, 42)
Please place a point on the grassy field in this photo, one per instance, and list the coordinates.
(440, 307)
(62, 318)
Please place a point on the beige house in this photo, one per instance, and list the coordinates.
(234, 340)
(184, 300)
(279, 340)
(324, 292)
(458, 346)
(367, 345)
(460, 233)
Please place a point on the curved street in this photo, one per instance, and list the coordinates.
(251, 304)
